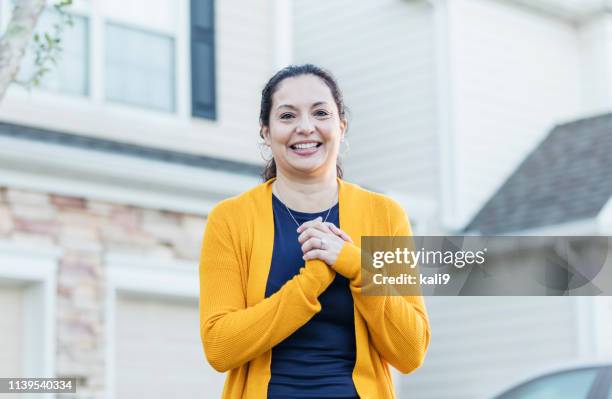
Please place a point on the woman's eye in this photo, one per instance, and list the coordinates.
(286, 116)
(321, 113)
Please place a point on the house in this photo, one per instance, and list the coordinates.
(448, 98)
(444, 90)
(480, 344)
(107, 172)
(106, 176)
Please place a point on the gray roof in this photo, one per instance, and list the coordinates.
(567, 177)
(116, 147)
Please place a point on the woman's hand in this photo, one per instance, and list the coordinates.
(322, 241)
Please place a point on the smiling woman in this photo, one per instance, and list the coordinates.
(280, 271)
(306, 99)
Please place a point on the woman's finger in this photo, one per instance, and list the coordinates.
(324, 227)
(310, 223)
(313, 254)
(312, 243)
(308, 233)
(339, 232)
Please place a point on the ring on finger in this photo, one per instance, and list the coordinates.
(322, 246)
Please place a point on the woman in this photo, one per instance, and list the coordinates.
(280, 272)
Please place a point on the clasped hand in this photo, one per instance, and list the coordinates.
(321, 240)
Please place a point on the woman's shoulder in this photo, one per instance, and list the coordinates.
(378, 201)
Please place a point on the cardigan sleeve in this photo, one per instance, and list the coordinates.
(232, 333)
(398, 325)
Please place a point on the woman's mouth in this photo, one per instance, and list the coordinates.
(305, 149)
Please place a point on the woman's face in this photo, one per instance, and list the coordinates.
(305, 128)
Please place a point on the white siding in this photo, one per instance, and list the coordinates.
(163, 16)
(245, 56)
(514, 75)
(382, 54)
(479, 345)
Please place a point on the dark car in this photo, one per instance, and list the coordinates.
(584, 382)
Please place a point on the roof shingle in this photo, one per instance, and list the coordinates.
(567, 177)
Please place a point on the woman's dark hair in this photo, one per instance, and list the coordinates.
(271, 87)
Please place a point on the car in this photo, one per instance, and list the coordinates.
(592, 381)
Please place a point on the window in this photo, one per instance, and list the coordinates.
(139, 68)
(71, 73)
(574, 384)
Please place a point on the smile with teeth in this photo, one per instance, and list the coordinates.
(305, 146)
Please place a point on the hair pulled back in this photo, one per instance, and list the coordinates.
(271, 87)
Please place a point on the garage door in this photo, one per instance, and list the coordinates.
(11, 331)
(159, 353)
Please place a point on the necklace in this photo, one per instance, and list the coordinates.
(291, 214)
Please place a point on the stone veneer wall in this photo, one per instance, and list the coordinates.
(85, 230)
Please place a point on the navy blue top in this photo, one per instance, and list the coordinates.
(317, 360)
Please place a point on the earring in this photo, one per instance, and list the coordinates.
(346, 148)
(266, 152)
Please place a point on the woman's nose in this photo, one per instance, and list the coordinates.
(305, 126)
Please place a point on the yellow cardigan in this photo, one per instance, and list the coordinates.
(239, 327)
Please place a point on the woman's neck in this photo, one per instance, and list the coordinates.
(307, 195)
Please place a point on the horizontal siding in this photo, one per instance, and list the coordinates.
(570, 9)
(481, 344)
(382, 54)
(244, 45)
(515, 74)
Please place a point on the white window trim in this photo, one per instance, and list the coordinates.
(97, 19)
(449, 205)
(151, 277)
(283, 33)
(585, 327)
(182, 65)
(36, 268)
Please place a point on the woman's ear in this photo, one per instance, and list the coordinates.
(265, 132)
(343, 128)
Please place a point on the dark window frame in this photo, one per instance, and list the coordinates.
(203, 71)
